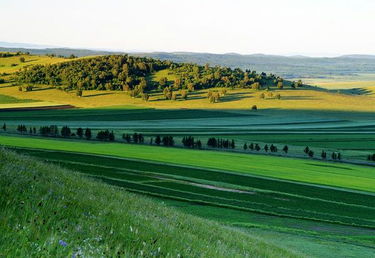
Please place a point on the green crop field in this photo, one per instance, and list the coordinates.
(59, 213)
(310, 171)
(341, 217)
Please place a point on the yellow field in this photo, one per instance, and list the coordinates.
(235, 99)
(6, 62)
(347, 84)
(306, 98)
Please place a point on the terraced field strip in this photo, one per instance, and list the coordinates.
(113, 114)
(308, 171)
(223, 189)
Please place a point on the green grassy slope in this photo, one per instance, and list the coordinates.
(339, 175)
(4, 99)
(49, 211)
(221, 189)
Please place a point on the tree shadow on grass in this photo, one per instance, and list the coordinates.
(97, 94)
(298, 98)
(41, 89)
(357, 91)
(235, 96)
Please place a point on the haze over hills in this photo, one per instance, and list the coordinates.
(287, 66)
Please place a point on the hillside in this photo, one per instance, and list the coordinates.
(120, 80)
(50, 211)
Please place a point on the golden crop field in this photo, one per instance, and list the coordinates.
(234, 99)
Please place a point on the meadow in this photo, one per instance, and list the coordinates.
(307, 214)
(277, 204)
(291, 169)
(12, 64)
(60, 213)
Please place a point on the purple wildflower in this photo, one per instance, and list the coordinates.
(63, 243)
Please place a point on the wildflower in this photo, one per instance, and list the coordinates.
(63, 243)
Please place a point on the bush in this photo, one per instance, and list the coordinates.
(79, 92)
(184, 94)
(145, 97)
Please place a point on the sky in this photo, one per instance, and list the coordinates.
(287, 27)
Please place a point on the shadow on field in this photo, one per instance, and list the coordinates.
(357, 91)
(30, 60)
(41, 89)
(7, 86)
(234, 96)
(298, 98)
(97, 94)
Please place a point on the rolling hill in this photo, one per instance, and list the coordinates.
(47, 210)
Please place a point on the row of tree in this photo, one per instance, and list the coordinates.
(187, 141)
(221, 143)
(323, 155)
(266, 148)
(135, 138)
(190, 142)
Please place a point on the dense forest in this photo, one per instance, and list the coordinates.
(129, 73)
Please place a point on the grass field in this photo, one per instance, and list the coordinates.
(351, 133)
(309, 171)
(235, 99)
(10, 100)
(319, 217)
(59, 213)
(296, 205)
(12, 64)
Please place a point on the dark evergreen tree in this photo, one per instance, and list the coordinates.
(88, 134)
(158, 140)
(80, 132)
(65, 131)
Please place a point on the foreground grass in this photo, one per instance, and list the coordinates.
(310, 171)
(49, 211)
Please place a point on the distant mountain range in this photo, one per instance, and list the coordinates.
(286, 66)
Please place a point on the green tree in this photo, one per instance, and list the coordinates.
(88, 134)
(80, 132)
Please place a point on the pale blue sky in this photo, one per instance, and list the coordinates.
(311, 27)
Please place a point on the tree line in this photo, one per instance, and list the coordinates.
(167, 140)
(131, 74)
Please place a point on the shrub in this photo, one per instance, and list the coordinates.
(145, 96)
(184, 94)
(79, 92)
